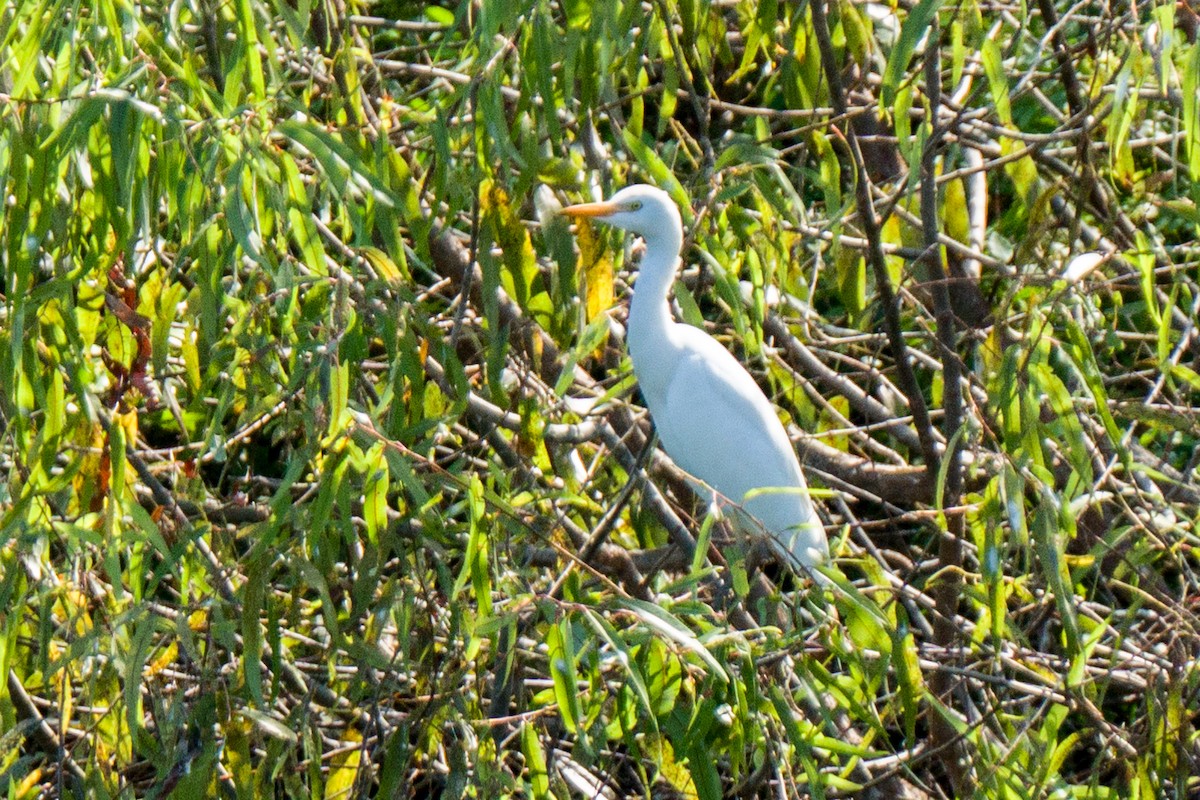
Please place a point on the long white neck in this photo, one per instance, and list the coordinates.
(650, 318)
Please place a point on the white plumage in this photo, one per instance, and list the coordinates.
(712, 418)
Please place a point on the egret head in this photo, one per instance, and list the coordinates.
(640, 209)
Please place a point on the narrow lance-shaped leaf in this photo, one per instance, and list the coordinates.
(915, 27)
(560, 651)
(337, 159)
(375, 502)
(1191, 111)
(535, 762)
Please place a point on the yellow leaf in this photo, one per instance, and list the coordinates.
(891, 233)
(829, 423)
(87, 480)
(599, 283)
(165, 659)
(954, 211)
(28, 786)
(382, 263)
(129, 423)
(597, 278)
(375, 505)
(66, 699)
(669, 769)
(344, 769)
(521, 277)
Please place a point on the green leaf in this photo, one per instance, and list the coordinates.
(375, 502)
(442, 16)
(243, 223)
(911, 32)
(271, 726)
(300, 221)
(257, 580)
(628, 663)
(1125, 111)
(993, 68)
(703, 769)
(339, 162)
(1191, 111)
(663, 623)
(249, 49)
(560, 650)
(659, 173)
(535, 762)
(1051, 529)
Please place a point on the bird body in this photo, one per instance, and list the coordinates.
(712, 418)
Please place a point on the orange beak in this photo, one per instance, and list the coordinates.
(590, 210)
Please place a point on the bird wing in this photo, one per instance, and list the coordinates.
(717, 425)
(715, 421)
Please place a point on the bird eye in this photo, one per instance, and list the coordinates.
(636, 205)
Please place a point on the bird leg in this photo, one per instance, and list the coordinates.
(760, 605)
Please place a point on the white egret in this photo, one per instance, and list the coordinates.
(712, 418)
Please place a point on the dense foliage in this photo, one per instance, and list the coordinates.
(325, 474)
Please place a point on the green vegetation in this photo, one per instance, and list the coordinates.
(324, 469)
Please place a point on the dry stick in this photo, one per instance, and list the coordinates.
(808, 364)
(950, 550)
(599, 533)
(906, 379)
(1078, 103)
(1075, 95)
(42, 734)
